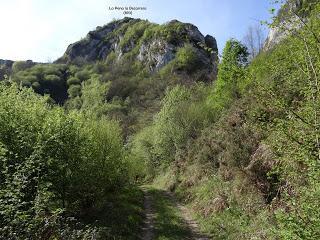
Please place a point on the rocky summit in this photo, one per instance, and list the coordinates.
(151, 44)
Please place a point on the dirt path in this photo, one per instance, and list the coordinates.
(149, 229)
(191, 223)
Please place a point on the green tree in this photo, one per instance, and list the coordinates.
(94, 95)
(231, 75)
(187, 58)
(287, 109)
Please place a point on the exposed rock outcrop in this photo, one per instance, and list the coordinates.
(288, 19)
(151, 44)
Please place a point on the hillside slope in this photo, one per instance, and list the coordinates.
(141, 103)
(132, 62)
(151, 44)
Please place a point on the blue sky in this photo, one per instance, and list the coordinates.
(41, 30)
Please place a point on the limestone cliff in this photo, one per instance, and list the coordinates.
(151, 44)
(289, 18)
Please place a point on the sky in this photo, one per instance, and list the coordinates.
(41, 30)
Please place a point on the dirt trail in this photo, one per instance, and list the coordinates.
(148, 230)
(191, 223)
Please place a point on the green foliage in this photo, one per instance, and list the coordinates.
(243, 153)
(52, 78)
(177, 121)
(180, 119)
(74, 91)
(44, 79)
(187, 59)
(21, 65)
(53, 162)
(141, 154)
(111, 59)
(94, 94)
(73, 81)
(172, 32)
(231, 76)
(249, 166)
(133, 32)
(83, 75)
(287, 107)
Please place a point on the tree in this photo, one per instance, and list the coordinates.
(74, 91)
(52, 161)
(94, 94)
(231, 75)
(288, 93)
(187, 58)
(254, 40)
(21, 65)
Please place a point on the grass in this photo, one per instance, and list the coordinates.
(121, 216)
(226, 209)
(169, 223)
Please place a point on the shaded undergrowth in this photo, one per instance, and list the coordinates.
(121, 216)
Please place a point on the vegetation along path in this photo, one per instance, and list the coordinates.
(165, 218)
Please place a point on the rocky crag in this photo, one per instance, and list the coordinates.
(151, 44)
(290, 17)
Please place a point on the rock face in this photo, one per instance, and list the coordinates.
(287, 21)
(94, 47)
(151, 44)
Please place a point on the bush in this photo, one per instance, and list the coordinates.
(52, 165)
(133, 33)
(94, 95)
(231, 75)
(73, 81)
(36, 86)
(74, 91)
(21, 66)
(83, 75)
(187, 59)
(50, 77)
(179, 121)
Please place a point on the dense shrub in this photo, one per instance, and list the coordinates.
(94, 95)
(50, 78)
(231, 76)
(74, 91)
(52, 162)
(73, 81)
(83, 75)
(249, 166)
(21, 65)
(187, 59)
(133, 33)
(180, 120)
(288, 108)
